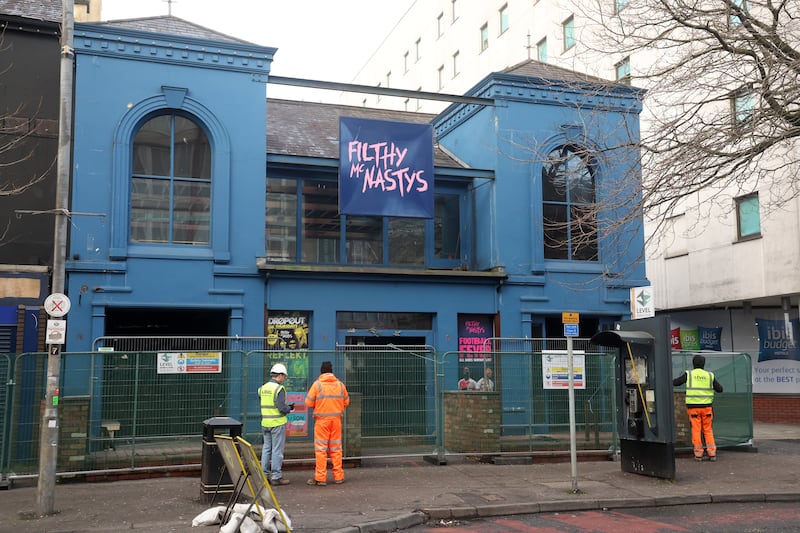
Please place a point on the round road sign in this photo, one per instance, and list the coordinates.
(57, 305)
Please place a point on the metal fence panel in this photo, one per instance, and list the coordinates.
(117, 411)
(733, 408)
(533, 418)
(395, 387)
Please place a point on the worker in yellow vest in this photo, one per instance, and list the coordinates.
(700, 388)
(274, 409)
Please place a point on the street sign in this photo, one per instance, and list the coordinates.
(570, 318)
(570, 330)
(57, 305)
(56, 331)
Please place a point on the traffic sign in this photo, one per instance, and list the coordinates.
(570, 330)
(57, 305)
(570, 318)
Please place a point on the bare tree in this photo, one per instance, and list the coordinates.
(723, 103)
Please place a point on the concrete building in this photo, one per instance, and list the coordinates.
(725, 273)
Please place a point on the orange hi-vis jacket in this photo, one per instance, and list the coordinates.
(327, 396)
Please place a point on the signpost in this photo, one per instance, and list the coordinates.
(571, 323)
(57, 305)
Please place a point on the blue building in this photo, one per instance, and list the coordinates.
(215, 211)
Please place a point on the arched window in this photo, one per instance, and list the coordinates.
(171, 182)
(569, 209)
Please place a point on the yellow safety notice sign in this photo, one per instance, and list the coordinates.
(570, 318)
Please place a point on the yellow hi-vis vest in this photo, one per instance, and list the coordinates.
(699, 387)
(270, 416)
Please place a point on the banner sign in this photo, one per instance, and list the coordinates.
(697, 338)
(642, 303)
(189, 363)
(675, 338)
(385, 168)
(777, 339)
(710, 338)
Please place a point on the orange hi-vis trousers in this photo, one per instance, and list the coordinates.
(328, 439)
(701, 419)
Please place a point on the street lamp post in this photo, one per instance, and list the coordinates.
(48, 441)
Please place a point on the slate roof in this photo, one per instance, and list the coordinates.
(534, 69)
(309, 129)
(46, 10)
(171, 25)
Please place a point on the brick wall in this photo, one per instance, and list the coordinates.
(472, 421)
(683, 429)
(73, 436)
(776, 408)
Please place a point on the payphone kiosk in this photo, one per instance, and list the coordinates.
(645, 413)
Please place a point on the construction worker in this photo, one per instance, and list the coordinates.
(328, 398)
(700, 387)
(274, 409)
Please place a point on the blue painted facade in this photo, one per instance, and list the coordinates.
(122, 79)
(531, 118)
(125, 77)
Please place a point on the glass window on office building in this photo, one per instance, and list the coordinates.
(737, 7)
(541, 50)
(503, 12)
(568, 30)
(484, 37)
(439, 25)
(743, 105)
(455, 64)
(623, 71)
(748, 217)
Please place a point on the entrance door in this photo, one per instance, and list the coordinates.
(392, 375)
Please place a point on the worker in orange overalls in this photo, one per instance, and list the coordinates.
(700, 387)
(328, 398)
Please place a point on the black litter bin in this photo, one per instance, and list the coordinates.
(214, 477)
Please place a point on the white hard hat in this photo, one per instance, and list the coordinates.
(278, 368)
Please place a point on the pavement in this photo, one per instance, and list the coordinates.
(394, 494)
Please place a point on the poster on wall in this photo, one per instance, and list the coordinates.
(778, 339)
(473, 332)
(475, 366)
(287, 343)
(778, 365)
(385, 168)
(696, 338)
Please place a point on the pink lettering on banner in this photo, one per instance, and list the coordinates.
(472, 344)
(380, 166)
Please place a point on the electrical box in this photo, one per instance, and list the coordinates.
(644, 392)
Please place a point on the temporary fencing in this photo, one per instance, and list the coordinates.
(140, 407)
